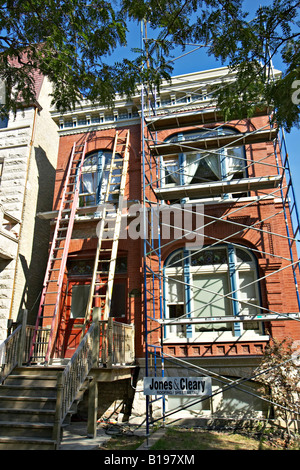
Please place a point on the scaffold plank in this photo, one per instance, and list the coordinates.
(216, 142)
(216, 188)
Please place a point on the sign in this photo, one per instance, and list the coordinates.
(177, 386)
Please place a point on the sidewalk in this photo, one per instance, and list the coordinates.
(75, 437)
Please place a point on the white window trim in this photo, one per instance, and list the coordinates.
(209, 336)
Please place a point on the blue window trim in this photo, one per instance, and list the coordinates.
(187, 290)
(233, 284)
(223, 156)
(234, 287)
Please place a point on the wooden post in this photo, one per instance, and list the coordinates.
(96, 341)
(93, 386)
(56, 435)
(110, 324)
(92, 409)
(22, 341)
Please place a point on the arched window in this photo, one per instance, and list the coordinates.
(209, 284)
(203, 166)
(94, 178)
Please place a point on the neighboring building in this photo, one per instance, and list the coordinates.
(230, 172)
(28, 154)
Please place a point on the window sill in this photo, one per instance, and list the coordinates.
(214, 337)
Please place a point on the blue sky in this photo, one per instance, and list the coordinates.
(199, 60)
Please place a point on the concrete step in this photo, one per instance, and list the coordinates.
(26, 443)
(29, 415)
(28, 390)
(36, 430)
(29, 379)
(23, 402)
(27, 409)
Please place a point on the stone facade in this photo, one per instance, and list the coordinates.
(28, 153)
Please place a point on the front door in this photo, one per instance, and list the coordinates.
(78, 294)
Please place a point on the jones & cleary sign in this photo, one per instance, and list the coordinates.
(177, 386)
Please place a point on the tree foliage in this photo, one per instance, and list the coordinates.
(281, 374)
(71, 42)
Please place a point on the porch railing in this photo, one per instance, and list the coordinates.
(74, 375)
(116, 343)
(106, 342)
(11, 350)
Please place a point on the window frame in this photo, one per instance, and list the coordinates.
(100, 169)
(233, 268)
(179, 161)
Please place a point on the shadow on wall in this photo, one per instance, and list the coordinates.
(35, 271)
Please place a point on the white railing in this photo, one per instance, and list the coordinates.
(107, 343)
(116, 343)
(9, 353)
(76, 371)
(11, 350)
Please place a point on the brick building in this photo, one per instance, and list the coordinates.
(211, 302)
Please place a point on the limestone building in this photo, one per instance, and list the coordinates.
(28, 154)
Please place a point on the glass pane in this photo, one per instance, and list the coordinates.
(208, 169)
(118, 304)
(235, 160)
(243, 256)
(247, 292)
(80, 296)
(208, 257)
(175, 260)
(176, 311)
(209, 301)
(191, 165)
(171, 167)
(175, 290)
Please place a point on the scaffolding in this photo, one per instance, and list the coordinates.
(275, 184)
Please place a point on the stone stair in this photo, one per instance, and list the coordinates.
(27, 409)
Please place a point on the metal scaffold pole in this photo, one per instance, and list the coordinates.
(273, 184)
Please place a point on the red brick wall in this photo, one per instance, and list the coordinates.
(278, 290)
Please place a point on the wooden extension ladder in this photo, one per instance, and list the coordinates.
(47, 319)
(102, 286)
